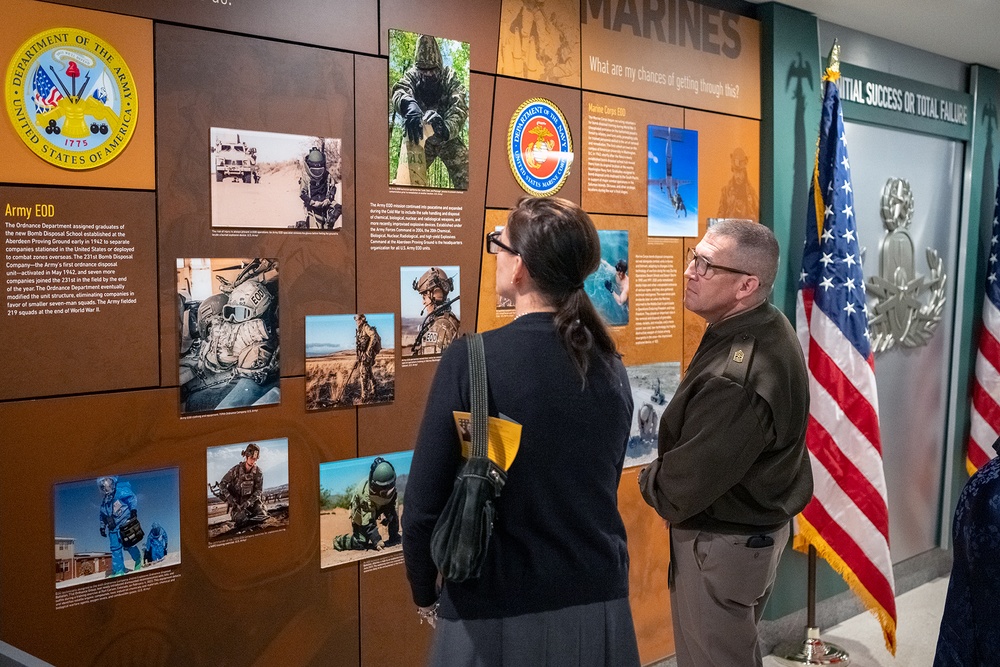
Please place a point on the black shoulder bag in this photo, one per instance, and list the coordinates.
(462, 533)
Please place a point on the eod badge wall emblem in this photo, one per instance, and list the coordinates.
(539, 147)
(71, 98)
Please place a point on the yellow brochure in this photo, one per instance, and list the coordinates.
(504, 438)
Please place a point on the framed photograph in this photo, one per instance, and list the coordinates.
(350, 360)
(275, 181)
(116, 525)
(672, 194)
(429, 309)
(429, 111)
(608, 286)
(247, 489)
(360, 505)
(228, 324)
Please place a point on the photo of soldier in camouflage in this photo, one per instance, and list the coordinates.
(228, 326)
(250, 496)
(429, 309)
(350, 360)
(429, 111)
(361, 502)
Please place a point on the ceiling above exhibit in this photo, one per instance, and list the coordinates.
(964, 30)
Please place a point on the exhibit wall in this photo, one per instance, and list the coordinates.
(221, 220)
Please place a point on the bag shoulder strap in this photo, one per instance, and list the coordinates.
(740, 356)
(478, 391)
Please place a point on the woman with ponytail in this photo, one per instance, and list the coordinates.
(554, 587)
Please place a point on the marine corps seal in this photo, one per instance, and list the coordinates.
(71, 98)
(539, 147)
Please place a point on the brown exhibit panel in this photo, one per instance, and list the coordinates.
(509, 95)
(649, 557)
(680, 52)
(540, 41)
(411, 226)
(391, 632)
(340, 24)
(210, 80)
(266, 593)
(475, 23)
(80, 304)
(614, 152)
(132, 167)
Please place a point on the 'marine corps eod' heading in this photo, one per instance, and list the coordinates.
(677, 22)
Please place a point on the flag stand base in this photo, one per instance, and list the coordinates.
(814, 651)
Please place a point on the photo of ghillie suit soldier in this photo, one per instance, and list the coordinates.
(440, 325)
(373, 502)
(318, 193)
(119, 522)
(156, 545)
(431, 103)
(229, 342)
(242, 489)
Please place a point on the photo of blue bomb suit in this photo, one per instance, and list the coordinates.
(119, 522)
(116, 524)
(157, 543)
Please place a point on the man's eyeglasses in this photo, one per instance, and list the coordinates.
(495, 245)
(702, 265)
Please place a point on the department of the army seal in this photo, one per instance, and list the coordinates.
(71, 98)
(539, 147)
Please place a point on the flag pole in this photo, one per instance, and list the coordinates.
(813, 651)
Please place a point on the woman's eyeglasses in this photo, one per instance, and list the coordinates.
(702, 265)
(495, 245)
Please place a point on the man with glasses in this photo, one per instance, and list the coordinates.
(732, 468)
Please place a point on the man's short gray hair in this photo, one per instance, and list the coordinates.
(755, 249)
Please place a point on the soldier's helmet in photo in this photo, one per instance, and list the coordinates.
(107, 485)
(382, 477)
(248, 300)
(434, 278)
(251, 451)
(428, 56)
(315, 163)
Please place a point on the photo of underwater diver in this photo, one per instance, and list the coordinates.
(229, 339)
(432, 328)
(429, 79)
(104, 525)
(361, 505)
(119, 522)
(608, 286)
(239, 502)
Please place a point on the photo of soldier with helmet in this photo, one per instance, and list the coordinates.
(277, 181)
(350, 360)
(361, 502)
(228, 327)
(429, 111)
(430, 314)
(247, 488)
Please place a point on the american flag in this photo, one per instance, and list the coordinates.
(847, 521)
(986, 388)
(46, 95)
